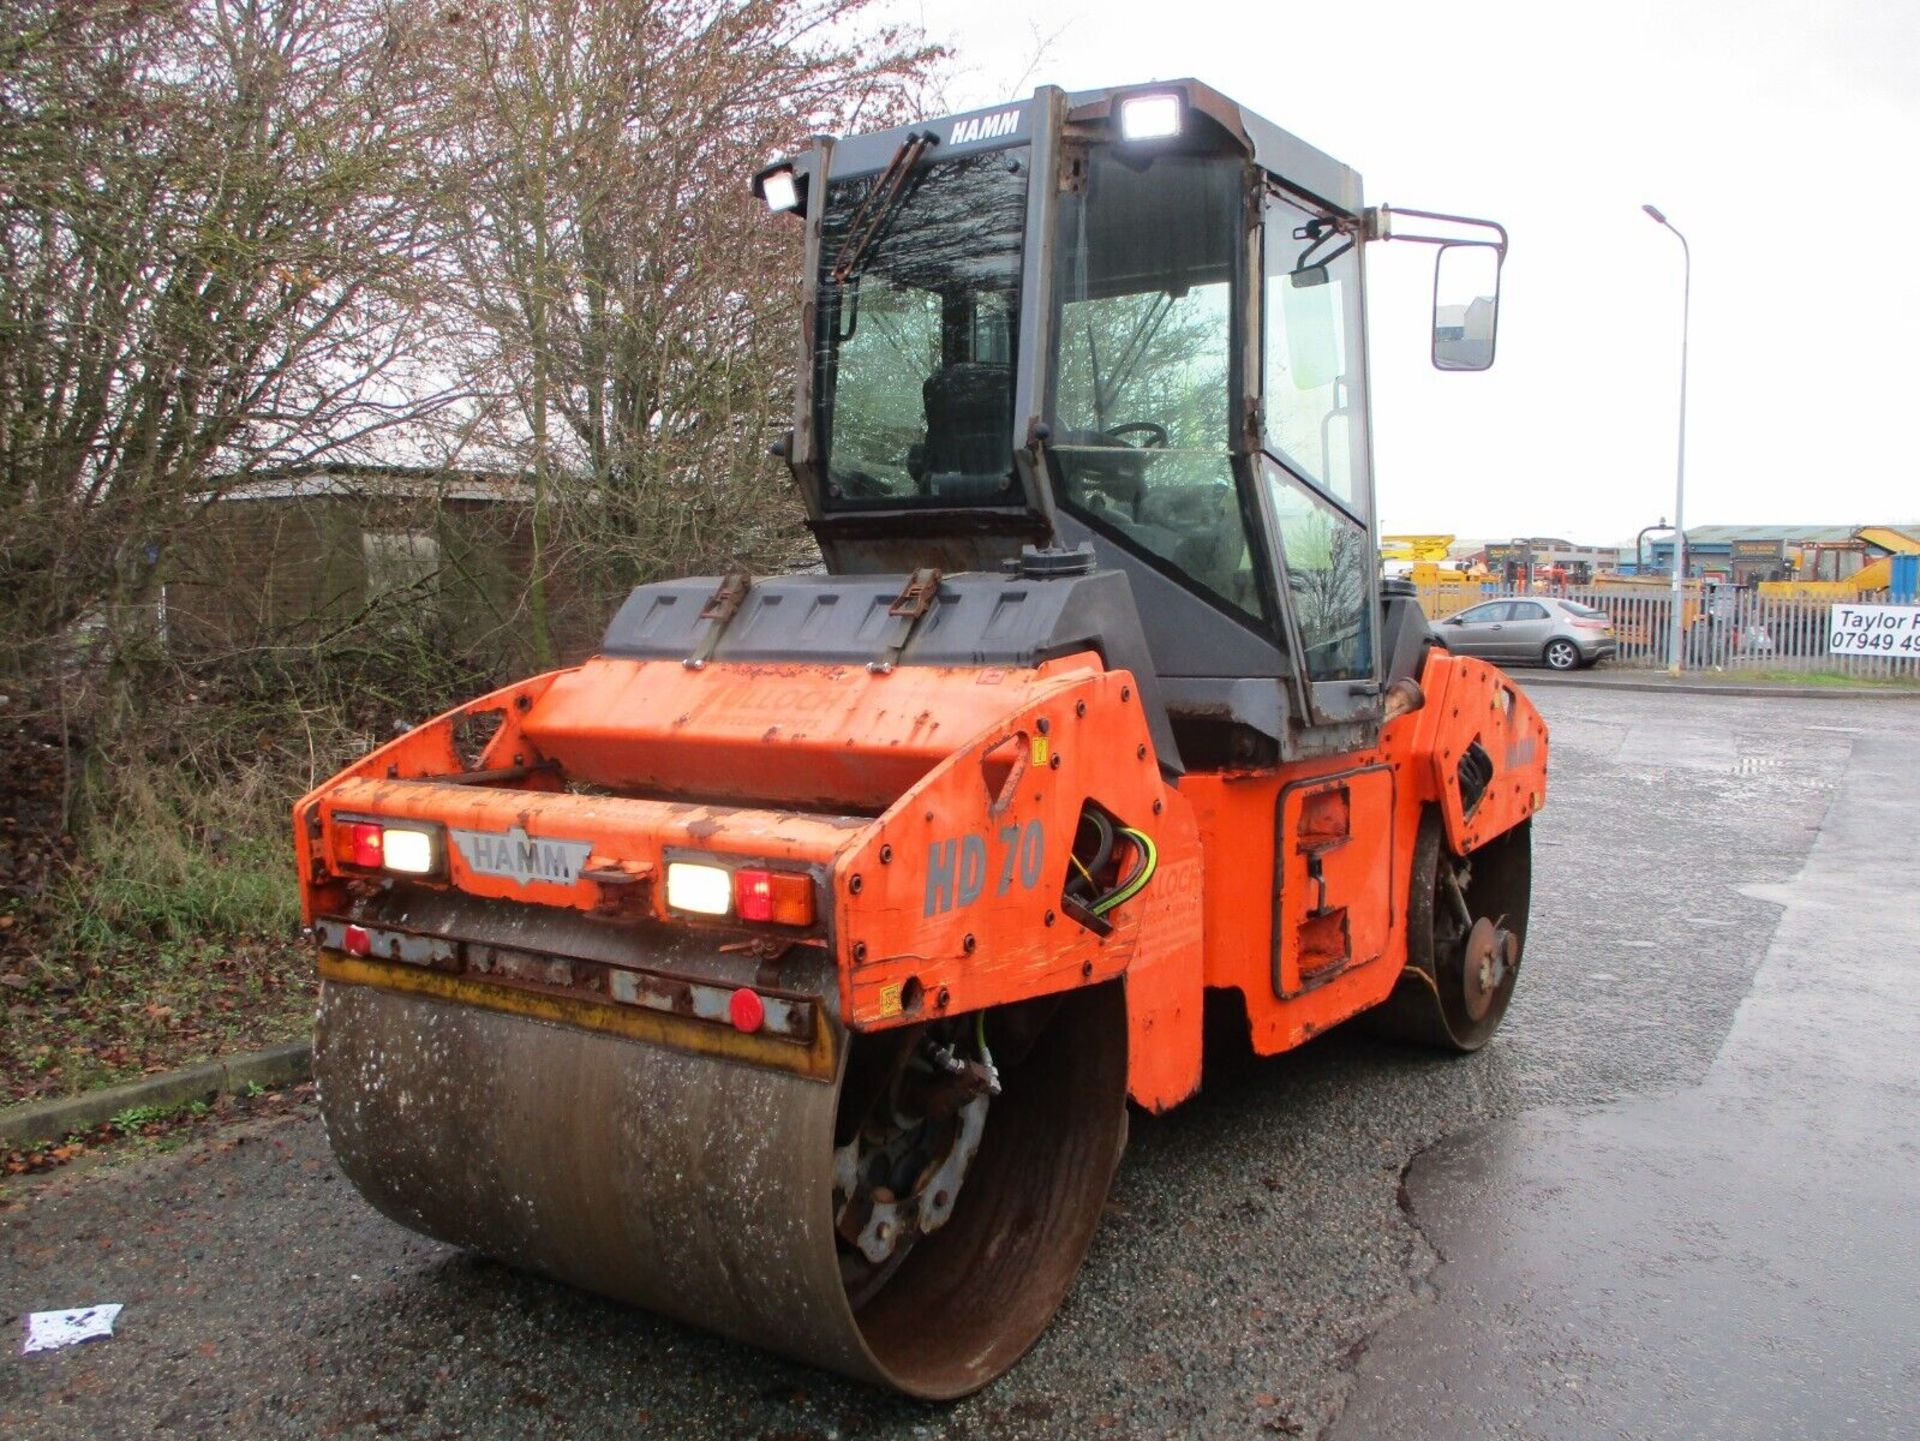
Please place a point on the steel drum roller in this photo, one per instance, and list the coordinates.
(702, 1188)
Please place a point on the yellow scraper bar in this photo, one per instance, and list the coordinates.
(815, 1060)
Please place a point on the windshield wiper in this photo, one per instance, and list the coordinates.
(1132, 352)
(889, 190)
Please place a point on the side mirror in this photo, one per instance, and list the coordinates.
(1453, 620)
(1466, 305)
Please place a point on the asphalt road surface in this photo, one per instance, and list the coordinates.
(1265, 1263)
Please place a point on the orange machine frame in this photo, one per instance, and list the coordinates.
(937, 807)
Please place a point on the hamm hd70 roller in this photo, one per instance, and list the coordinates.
(788, 967)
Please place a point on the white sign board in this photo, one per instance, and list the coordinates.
(1889, 630)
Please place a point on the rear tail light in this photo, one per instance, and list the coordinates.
(782, 897)
(376, 846)
(751, 893)
(1591, 624)
(364, 844)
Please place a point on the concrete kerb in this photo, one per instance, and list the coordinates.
(1684, 687)
(34, 1122)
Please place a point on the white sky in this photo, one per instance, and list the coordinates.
(1780, 135)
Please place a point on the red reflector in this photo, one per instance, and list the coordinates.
(364, 844)
(749, 1012)
(356, 939)
(753, 896)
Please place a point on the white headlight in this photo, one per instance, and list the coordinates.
(704, 890)
(407, 851)
(779, 190)
(1149, 117)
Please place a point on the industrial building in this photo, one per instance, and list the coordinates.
(1749, 554)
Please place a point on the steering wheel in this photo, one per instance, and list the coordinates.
(1108, 463)
(1156, 435)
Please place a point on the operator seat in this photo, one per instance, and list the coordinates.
(969, 448)
(1205, 535)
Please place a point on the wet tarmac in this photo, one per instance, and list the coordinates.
(1672, 1196)
(1737, 1259)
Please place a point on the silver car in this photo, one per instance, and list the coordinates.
(1531, 630)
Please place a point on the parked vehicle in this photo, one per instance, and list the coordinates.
(1532, 630)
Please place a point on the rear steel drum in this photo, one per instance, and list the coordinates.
(702, 1188)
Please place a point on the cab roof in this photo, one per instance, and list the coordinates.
(1302, 165)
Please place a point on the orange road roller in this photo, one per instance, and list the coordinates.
(788, 967)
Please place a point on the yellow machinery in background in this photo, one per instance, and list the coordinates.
(1872, 579)
(1444, 590)
(1417, 548)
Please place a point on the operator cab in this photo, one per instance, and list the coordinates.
(1130, 319)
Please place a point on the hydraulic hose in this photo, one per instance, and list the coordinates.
(1136, 881)
(1103, 849)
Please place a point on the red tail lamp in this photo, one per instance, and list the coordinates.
(781, 897)
(406, 849)
(365, 844)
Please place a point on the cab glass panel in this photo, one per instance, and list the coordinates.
(919, 304)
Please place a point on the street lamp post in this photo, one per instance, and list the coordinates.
(1640, 544)
(1680, 479)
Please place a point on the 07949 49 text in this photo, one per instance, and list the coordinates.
(1874, 630)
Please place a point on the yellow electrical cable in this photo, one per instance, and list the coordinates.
(1150, 862)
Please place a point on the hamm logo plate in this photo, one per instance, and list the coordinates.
(516, 856)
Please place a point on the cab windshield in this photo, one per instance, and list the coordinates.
(1142, 348)
(919, 307)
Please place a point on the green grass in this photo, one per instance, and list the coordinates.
(170, 859)
(1838, 680)
(135, 1119)
(170, 940)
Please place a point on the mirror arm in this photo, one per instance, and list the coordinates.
(1316, 235)
(1380, 218)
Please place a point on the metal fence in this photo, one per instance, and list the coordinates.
(1721, 632)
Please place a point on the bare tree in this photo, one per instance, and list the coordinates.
(639, 317)
(211, 217)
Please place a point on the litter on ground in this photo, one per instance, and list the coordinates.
(50, 1330)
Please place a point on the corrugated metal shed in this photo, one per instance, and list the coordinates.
(1727, 534)
(1794, 534)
